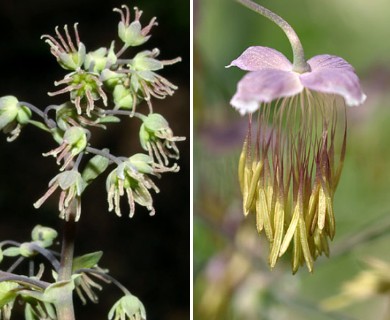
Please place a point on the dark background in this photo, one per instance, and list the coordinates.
(149, 255)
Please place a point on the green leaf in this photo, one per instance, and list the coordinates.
(94, 168)
(11, 252)
(86, 261)
(109, 119)
(7, 292)
(39, 125)
(55, 292)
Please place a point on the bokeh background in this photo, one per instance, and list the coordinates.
(231, 277)
(149, 255)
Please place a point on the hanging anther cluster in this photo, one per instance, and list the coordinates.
(289, 170)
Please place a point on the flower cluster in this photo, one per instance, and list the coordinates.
(289, 174)
(101, 87)
(98, 74)
(97, 80)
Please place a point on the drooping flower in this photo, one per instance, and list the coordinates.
(289, 174)
(127, 178)
(74, 141)
(86, 286)
(13, 116)
(72, 185)
(145, 81)
(157, 138)
(128, 307)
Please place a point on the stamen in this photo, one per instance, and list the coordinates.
(76, 33)
(63, 42)
(121, 14)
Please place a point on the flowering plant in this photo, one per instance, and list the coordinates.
(289, 175)
(101, 86)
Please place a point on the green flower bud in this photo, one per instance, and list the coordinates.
(111, 78)
(76, 137)
(123, 97)
(26, 251)
(8, 110)
(44, 235)
(24, 115)
(13, 116)
(100, 59)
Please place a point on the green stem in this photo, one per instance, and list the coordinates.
(299, 64)
(65, 310)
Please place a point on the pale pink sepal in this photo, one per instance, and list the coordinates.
(258, 58)
(264, 86)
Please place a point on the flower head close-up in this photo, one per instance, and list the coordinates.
(290, 167)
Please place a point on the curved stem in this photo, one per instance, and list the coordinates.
(78, 160)
(125, 113)
(47, 254)
(104, 154)
(50, 122)
(32, 108)
(10, 242)
(299, 64)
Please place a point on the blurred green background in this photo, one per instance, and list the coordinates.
(231, 279)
